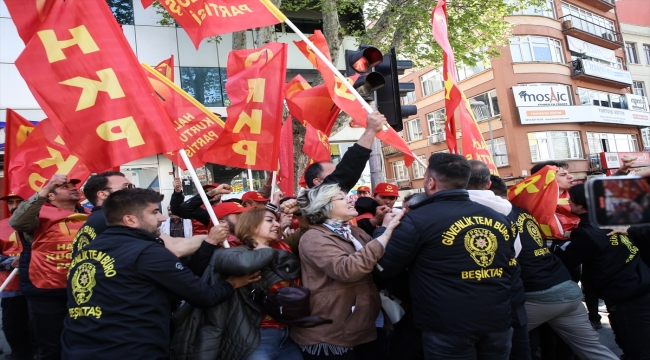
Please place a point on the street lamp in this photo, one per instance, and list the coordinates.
(481, 105)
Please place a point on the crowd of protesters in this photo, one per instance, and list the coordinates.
(457, 273)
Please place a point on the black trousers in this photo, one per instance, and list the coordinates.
(591, 299)
(631, 320)
(47, 315)
(15, 325)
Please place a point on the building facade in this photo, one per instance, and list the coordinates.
(560, 91)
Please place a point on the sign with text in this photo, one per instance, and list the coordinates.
(606, 72)
(541, 95)
(636, 102)
(591, 50)
(612, 160)
(576, 114)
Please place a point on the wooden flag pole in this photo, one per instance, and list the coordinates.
(338, 74)
(199, 188)
(11, 276)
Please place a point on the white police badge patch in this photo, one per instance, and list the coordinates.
(481, 245)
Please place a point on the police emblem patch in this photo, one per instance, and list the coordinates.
(83, 282)
(533, 230)
(481, 245)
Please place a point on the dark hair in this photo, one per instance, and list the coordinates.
(128, 202)
(577, 195)
(451, 171)
(498, 186)
(235, 200)
(479, 176)
(312, 172)
(416, 199)
(97, 183)
(538, 167)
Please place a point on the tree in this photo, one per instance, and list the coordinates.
(477, 31)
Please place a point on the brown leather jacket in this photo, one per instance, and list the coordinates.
(340, 281)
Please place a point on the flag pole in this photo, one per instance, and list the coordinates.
(11, 276)
(273, 180)
(250, 180)
(199, 188)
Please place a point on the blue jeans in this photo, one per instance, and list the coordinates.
(490, 346)
(276, 344)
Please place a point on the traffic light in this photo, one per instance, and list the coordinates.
(388, 96)
(361, 62)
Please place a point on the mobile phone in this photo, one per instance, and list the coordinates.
(618, 200)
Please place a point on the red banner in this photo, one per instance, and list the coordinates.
(311, 105)
(84, 75)
(29, 15)
(474, 147)
(166, 67)
(538, 194)
(344, 99)
(255, 81)
(16, 130)
(42, 155)
(286, 178)
(196, 126)
(205, 18)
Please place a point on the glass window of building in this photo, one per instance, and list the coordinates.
(464, 72)
(645, 135)
(547, 9)
(500, 148)
(436, 122)
(122, 10)
(413, 130)
(630, 52)
(205, 84)
(589, 22)
(418, 170)
(535, 48)
(408, 98)
(646, 53)
(599, 98)
(638, 88)
(554, 145)
(599, 142)
(485, 106)
(431, 82)
(400, 171)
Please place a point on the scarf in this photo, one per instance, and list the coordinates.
(342, 228)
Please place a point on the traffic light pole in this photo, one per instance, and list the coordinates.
(376, 173)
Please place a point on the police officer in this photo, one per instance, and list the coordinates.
(458, 256)
(120, 285)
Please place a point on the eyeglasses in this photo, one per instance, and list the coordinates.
(125, 186)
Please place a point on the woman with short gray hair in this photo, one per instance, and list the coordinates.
(336, 260)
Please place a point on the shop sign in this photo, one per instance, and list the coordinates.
(590, 50)
(612, 160)
(636, 102)
(584, 113)
(541, 95)
(593, 68)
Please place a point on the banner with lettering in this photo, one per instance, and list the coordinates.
(84, 75)
(17, 128)
(196, 126)
(205, 18)
(538, 194)
(474, 147)
(344, 99)
(166, 67)
(255, 82)
(311, 105)
(286, 177)
(41, 155)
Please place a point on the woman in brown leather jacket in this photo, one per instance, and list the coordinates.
(336, 261)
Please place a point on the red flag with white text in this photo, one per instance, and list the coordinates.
(255, 82)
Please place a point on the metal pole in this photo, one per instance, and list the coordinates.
(250, 180)
(491, 139)
(376, 175)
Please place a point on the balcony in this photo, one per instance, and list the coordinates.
(601, 74)
(591, 32)
(389, 151)
(604, 5)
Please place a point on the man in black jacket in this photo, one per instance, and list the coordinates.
(120, 285)
(620, 277)
(459, 257)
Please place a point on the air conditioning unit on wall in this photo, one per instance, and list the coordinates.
(437, 138)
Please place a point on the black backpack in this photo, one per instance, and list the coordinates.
(289, 305)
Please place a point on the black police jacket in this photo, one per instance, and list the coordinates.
(540, 269)
(459, 262)
(94, 226)
(612, 262)
(120, 290)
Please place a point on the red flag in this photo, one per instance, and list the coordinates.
(311, 105)
(317, 145)
(255, 81)
(29, 15)
(473, 144)
(346, 100)
(16, 130)
(538, 194)
(166, 67)
(84, 75)
(206, 18)
(196, 126)
(42, 155)
(285, 175)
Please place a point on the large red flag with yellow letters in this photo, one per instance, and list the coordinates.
(344, 99)
(255, 81)
(206, 18)
(196, 126)
(538, 194)
(16, 130)
(474, 147)
(84, 75)
(42, 155)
